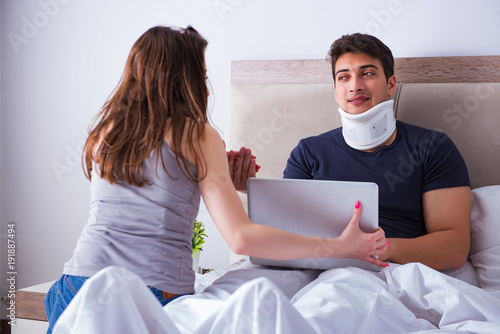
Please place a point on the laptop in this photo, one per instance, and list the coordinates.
(313, 208)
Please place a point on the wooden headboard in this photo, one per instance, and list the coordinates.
(275, 103)
(464, 69)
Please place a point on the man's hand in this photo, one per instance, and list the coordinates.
(241, 166)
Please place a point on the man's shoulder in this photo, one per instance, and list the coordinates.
(323, 136)
(418, 131)
(422, 138)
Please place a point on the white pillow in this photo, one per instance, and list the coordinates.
(485, 237)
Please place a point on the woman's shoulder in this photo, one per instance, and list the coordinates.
(199, 143)
(211, 132)
(211, 139)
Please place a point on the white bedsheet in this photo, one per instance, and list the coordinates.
(410, 298)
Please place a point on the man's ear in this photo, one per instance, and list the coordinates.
(391, 84)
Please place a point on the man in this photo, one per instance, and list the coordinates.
(425, 198)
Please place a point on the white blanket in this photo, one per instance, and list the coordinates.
(408, 298)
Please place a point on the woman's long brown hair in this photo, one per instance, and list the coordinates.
(162, 89)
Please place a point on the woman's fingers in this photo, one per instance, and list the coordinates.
(242, 165)
(376, 261)
(356, 215)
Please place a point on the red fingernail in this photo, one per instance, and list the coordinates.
(387, 242)
(357, 205)
(386, 265)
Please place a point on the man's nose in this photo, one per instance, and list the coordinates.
(356, 85)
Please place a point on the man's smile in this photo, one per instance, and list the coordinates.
(357, 100)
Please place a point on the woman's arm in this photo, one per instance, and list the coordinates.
(246, 238)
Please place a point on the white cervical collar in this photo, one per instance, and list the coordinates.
(369, 129)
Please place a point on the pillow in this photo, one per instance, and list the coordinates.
(485, 237)
(468, 273)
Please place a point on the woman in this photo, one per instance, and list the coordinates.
(150, 156)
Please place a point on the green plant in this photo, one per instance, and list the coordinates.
(198, 237)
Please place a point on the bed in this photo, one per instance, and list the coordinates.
(273, 105)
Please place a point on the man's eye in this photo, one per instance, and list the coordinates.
(368, 73)
(342, 77)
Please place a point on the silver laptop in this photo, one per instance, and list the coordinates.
(313, 208)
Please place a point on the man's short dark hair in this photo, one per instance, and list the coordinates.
(362, 43)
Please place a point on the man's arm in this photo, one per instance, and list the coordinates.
(446, 244)
(297, 165)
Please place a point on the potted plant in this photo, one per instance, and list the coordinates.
(197, 243)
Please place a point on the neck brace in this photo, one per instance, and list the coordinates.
(369, 129)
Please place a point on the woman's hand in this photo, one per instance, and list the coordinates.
(356, 244)
(241, 166)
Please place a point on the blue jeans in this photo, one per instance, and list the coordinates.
(63, 291)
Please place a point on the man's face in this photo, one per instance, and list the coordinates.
(360, 83)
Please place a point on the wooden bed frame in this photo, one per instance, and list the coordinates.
(460, 69)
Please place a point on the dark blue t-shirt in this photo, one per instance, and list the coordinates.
(419, 160)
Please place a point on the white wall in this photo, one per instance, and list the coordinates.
(62, 58)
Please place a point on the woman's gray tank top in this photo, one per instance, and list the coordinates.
(147, 229)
